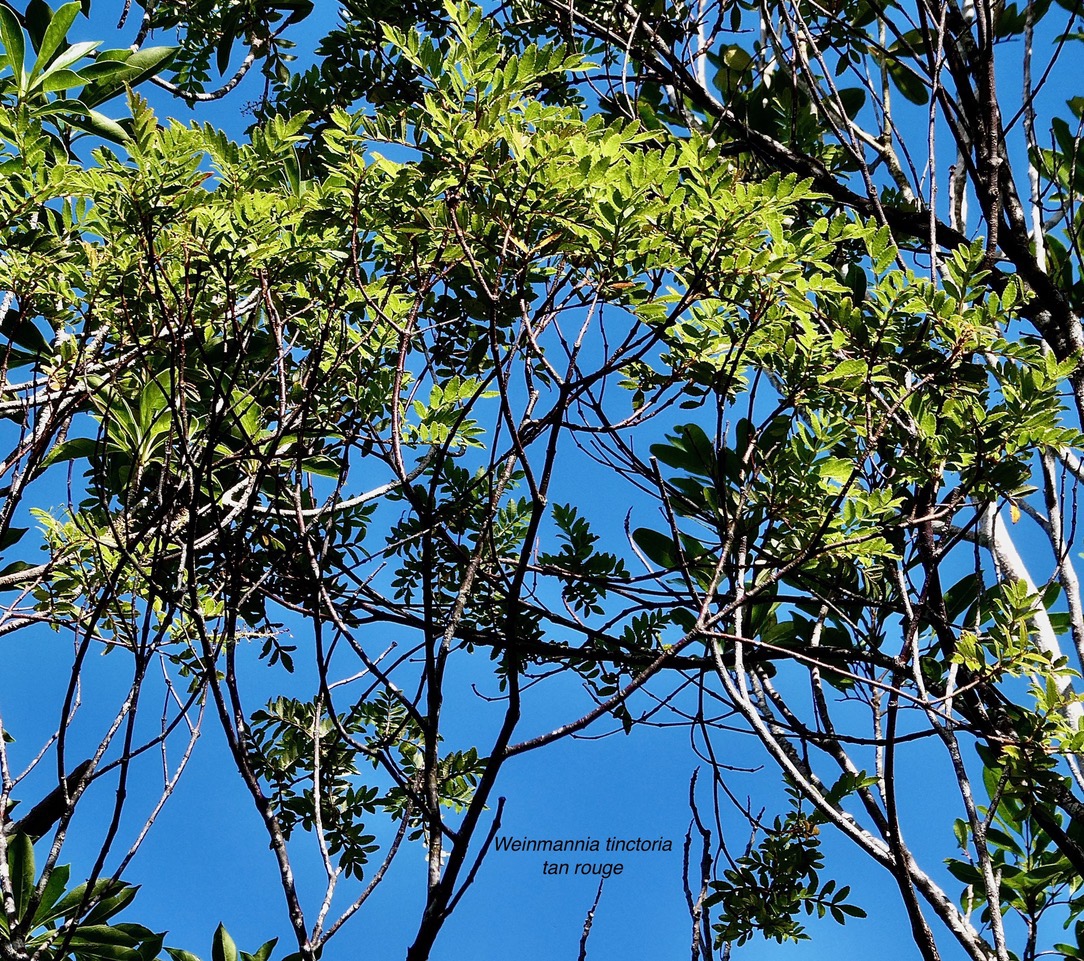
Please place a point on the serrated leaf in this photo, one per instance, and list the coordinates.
(837, 469)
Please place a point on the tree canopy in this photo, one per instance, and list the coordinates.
(574, 369)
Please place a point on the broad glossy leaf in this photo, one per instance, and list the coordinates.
(11, 34)
(100, 125)
(54, 36)
(21, 865)
(71, 450)
(24, 332)
(54, 890)
(37, 17)
(853, 100)
(101, 71)
(690, 451)
(103, 888)
(299, 9)
(322, 465)
(222, 947)
(64, 107)
(12, 536)
(74, 53)
(61, 79)
(112, 905)
(908, 82)
(141, 65)
(658, 547)
(263, 952)
(15, 568)
(104, 943)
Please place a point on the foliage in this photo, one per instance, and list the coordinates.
(769, 884)
(50, 921)
(41, 91)
(350, 375)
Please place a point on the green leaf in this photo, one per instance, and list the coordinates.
(837, 469)
(140, 65)
(74, 53)
(222, 947)
(263, 952)
(658, 547)
(73, 900)
(153, 408)
(54, 890)
(54, 36)
(101, 71)
(690, 450)
(24, 332)
(228, 36)
(962, 871)
(909, 83)
(151, 948)
(37, 17)
(71, 450)
(853, 100)
(21, 866)
(61, 80)
(16, 567)
(11, 34)
(300, 9)
(322, 465)
(65, 108)
(962, 832)
(150, 60)
(100, 125)
(150, 942)
(12, 536)
(103, 934)
(111, 905)
(104, 942)
(961, 596)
